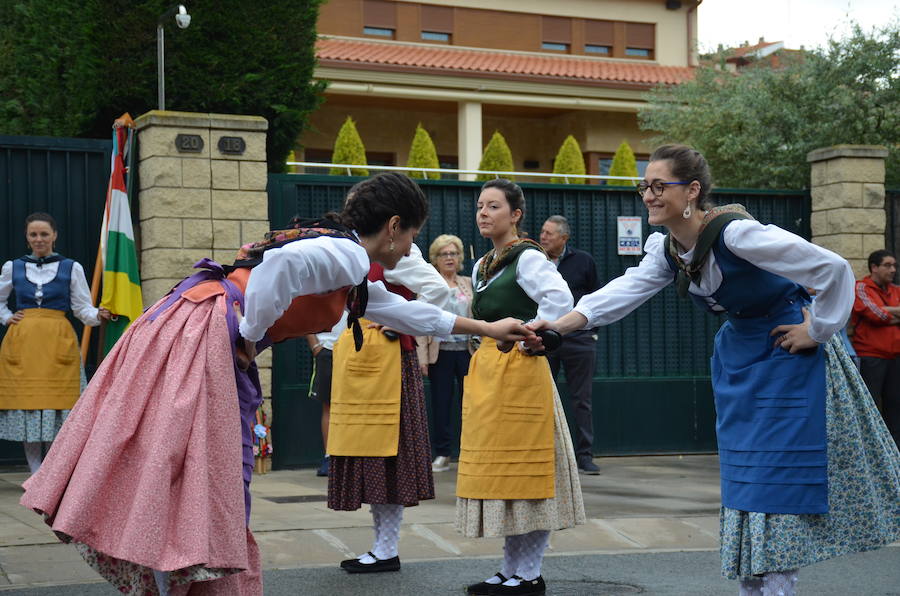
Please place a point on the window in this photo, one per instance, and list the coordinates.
(450, 162)
(317, 155)
(639, 52)
(379, 18)
(556, 47)
(436, 36)
(595, 49)
(380, 31)
(606, 162)
(556, 33)
(640, 40)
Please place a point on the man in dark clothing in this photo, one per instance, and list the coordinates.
(876, 336)
(578, 353)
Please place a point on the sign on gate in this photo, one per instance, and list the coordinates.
(629, 235)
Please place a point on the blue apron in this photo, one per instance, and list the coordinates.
(770, 404)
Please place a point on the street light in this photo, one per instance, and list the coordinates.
(183, 20)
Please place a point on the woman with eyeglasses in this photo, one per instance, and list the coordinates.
(447, 361)
(808, 468)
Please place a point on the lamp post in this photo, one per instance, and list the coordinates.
(183, 20)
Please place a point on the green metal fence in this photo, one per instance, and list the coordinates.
(66, 178)
(651, 388)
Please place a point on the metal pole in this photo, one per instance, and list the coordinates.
(160, 66)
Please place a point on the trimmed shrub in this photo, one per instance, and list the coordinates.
(569, 160)
(422, 154)
(496, 158)
(623, 164)
(349, 149)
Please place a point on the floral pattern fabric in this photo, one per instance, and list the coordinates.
(863, 489)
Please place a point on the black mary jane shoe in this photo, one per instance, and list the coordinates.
(526, 587)
(380, 565)
(484, 588)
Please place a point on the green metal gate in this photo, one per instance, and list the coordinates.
(651, 388)
(66, 178)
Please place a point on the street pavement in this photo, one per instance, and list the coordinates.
(652, 529)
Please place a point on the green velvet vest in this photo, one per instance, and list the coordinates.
(504, 298)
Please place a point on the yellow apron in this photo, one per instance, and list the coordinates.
(365, 396)
(506, 449)
(40, 366)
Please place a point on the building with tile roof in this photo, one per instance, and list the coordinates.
(536, 71)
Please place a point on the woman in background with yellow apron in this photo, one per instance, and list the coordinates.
(378, 432)
(518, 477)
(40, 366)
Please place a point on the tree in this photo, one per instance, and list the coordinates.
(422, 154)
(756, 128)
(70, 67)
(496, 158)
(569, 160)
(349, 149)
(623, 164)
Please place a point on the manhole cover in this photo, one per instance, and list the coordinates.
(298, 499)
(590, 588)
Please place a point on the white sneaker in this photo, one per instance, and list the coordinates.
(440, 464)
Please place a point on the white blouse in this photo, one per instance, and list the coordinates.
(767, 246)
(321, 265)
(540, 280)
(79, 291)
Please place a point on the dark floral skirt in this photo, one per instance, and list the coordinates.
(404, 479)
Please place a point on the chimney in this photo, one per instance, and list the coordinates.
(762, 40)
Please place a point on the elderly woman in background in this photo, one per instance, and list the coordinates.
(40, 367)
(447, 361)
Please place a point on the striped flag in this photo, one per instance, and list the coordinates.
(121, 279)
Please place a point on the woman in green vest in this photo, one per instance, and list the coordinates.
(517, 472)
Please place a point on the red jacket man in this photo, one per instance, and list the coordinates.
(876, 336)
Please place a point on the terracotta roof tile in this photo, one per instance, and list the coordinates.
(450, 60)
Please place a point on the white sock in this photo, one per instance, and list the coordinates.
(162, 582)
(531, 555)
(751, 587)
(387, 519)
(780, 583)
(34, 455)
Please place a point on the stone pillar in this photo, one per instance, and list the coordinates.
(848, 211)
(469, 137)
(199, 197)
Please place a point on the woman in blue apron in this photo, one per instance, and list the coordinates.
(808, 469)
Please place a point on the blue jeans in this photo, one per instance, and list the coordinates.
(450, 366)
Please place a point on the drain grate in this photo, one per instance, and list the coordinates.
(298, 499)
(595, 588)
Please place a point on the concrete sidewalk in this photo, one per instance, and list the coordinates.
(656, 506)
(637, 504)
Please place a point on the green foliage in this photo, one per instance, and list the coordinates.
(422, 154)
(70, 67)
(623, 164)
(349, 149)
(569, 160)
(496, 158)
(756, 128)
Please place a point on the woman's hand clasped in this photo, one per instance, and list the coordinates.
(104, 314)
(508, 330)
(795, 338)
(18, 316)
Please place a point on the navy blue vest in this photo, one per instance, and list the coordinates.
(770, 404)
(56, 292)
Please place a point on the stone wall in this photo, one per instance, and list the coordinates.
(198, 203)
(848, 210)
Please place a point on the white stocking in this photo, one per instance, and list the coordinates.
(533, 545)
(162, 582)
(34, 455)
(751, 587)
(783, 583)
(387, 520)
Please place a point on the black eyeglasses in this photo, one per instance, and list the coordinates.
(657, 187)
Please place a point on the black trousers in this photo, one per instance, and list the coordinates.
(449, 370)
(578, 355)
(882, 377)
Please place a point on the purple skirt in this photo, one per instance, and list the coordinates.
(404, 479)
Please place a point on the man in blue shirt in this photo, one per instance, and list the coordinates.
(578, 352)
